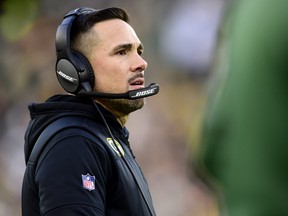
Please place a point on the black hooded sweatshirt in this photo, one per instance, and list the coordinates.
(81, 174)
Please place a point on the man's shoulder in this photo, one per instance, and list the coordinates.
(74, 126)
(71, 122)
(67, 132)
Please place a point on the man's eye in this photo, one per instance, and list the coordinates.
(121, 52)
(140, 52)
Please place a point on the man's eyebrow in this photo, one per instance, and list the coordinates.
(128, 46)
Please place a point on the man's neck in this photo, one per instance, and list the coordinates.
(122, 119)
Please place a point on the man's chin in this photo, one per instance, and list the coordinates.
(124, 106)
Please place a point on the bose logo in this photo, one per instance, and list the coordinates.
(150, 91)
(65, 76)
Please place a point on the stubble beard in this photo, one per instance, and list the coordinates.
(123, 106)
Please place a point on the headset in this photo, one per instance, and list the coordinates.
(75, 73)
(73, 69)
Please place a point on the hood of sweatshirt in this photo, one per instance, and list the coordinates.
(58, 106)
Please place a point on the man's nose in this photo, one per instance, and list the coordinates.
(139, 64)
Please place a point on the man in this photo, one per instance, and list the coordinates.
(87, 166)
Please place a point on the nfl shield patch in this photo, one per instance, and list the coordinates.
(88, 182)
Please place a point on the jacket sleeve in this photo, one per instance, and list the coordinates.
(64, 188)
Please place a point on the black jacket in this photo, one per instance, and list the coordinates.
(81, 174)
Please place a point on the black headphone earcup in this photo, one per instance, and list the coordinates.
(88, 74)
(68, 76)
(75, 76)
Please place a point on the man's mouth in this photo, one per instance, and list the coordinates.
(137, 83)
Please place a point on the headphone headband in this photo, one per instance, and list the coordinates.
(79, 11)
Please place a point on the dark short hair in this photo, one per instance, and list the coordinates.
(86, 21)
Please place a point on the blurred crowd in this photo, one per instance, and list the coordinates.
(179, 39)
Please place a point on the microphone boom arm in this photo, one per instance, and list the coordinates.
(148, 91)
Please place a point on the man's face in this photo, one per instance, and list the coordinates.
(116, 59)
(117, 63)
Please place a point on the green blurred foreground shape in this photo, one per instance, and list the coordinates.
(246, 127)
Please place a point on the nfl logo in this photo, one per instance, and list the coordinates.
(88, 182)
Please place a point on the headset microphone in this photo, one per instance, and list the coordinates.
(148, 91)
